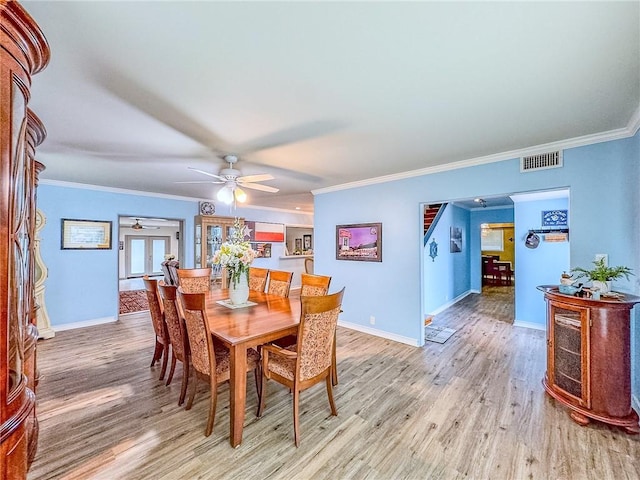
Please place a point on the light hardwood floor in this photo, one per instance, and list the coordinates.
(471, 408)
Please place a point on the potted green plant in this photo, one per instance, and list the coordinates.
(602, 275)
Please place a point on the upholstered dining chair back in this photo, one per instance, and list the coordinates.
(161, 350)
(279, 283)
(308, 265)
(314, 285)
(310, 360)
(177, 336)
(258, 278)
(173, 266)
(209, 360)
(194, 280)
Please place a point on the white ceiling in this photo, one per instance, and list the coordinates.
(321, 94)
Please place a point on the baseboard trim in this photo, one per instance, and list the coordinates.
(443, 307)
(85, 323)
(379, 333)
(533, 326)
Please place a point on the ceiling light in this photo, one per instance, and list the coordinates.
(240, 195)
(225, 195)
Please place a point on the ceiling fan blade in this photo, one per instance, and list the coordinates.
(207, 173)
(255, 178)
(258, 186)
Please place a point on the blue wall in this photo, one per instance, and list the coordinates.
(447, 276)
(82, 286)
(539, 266)
(603, 181)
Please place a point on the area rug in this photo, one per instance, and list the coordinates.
(438, 334)
(133, 301)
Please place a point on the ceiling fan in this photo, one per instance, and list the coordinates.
(139, 226)
(233, 180)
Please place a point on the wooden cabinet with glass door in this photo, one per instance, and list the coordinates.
(211, 232)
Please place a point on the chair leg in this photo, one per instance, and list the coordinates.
(157, 353)
(173, 367)
(165, 360)
(334, 412)
(256, 376)
(212, 406)
(192, 395)
(334, 363)
(185, 381)
(263, 394)
(296, 411)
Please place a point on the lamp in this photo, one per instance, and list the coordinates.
(230, 192)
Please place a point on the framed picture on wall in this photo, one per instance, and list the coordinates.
(85, 234)
(306, 242)
(455, 243)
(362, 242)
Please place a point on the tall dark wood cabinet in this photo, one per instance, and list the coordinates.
(589, 357)
(24, 52)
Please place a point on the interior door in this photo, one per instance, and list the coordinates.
(144, 254)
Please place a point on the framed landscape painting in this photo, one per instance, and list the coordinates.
(361, 241)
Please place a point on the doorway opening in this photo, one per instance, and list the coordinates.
(143, 244)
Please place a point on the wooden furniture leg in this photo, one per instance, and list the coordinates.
(238, 392)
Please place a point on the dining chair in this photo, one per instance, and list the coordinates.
(194, 280)
(173, 266)
(209, 361)
(279, 283)
(313, 285)
(309, 362)
(156, 311)
(258, 278)
(177, 336)
(308, 265)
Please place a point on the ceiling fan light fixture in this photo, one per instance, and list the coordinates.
(225, 195)
(240, 195)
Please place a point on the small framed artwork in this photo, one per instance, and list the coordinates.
(306, 242)
(362, 242)
(455, 244)
(263, 249)
(298, 245)
(85, 234)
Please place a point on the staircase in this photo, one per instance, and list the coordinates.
(432, 213)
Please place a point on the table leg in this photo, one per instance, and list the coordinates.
(238, 392)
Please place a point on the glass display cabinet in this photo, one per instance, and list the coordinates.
(210, 233)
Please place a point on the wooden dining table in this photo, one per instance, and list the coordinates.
(238, 329)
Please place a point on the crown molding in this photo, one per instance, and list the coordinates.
(620, 133)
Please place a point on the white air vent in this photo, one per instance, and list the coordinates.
(541, 161)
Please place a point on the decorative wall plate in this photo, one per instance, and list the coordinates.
(207, 208)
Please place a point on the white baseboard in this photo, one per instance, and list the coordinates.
(85, 323)
(379, 333)
(442, 308)
(534, 326)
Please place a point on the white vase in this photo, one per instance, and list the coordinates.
(239, 293)
(604, 287)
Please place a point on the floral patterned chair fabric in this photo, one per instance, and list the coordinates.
(177, 336)
(162, 343)
(258, 278)
(209, 361)
(314, 285)
(279, 283)
(194, 280)
(310, 360)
